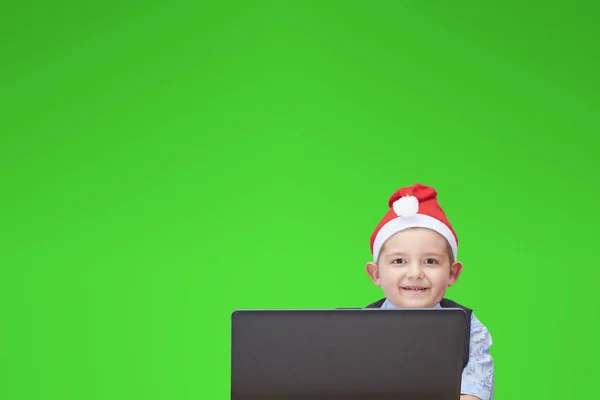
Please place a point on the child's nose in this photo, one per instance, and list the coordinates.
(415, 270)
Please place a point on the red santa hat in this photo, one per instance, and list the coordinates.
(414, 206)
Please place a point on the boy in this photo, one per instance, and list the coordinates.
(414, 251)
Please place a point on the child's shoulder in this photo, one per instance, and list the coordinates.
(377, 304)
(447, 303)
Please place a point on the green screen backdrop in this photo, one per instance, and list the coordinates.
(165, 163)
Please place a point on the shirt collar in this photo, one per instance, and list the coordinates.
(387, 304)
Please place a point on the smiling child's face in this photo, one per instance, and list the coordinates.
(415, 268)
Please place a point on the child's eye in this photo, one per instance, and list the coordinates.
(398, 261)
(431, 261)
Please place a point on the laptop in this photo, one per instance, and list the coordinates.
(348, 354)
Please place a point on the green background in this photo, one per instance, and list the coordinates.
(164, 164)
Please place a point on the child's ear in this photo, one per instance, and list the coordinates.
(455, 271)
(373, 272)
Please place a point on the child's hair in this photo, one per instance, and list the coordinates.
(448, 247)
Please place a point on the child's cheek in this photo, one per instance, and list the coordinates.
(392, 278)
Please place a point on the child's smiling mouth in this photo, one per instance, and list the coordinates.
(414, 288)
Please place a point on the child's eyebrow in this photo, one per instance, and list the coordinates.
(433, 253)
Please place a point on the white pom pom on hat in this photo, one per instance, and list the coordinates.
(406, 206)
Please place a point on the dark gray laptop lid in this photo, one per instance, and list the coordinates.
(412, 354)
